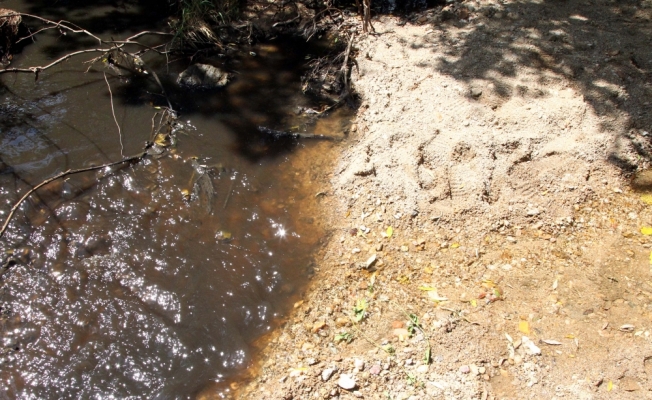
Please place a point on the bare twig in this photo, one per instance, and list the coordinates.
(135, 158)
(345, 65)
(64, 25)
(37, 70)
(228, 195)
(122, 149)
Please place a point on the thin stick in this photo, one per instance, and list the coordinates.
(122, 148)
(61, 175)
(228, 195)
(345, 66)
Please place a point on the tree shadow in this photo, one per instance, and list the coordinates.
(600, 48)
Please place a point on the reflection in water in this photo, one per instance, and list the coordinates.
(150, 280)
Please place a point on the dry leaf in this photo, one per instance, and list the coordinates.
(435, 297)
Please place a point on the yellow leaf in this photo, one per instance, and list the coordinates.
(474, 302)
(647, 198)
(162, 140)
(524, 327)
(569, 336)
(610, 386)
(646, 230)
(488, 284)
(455, 245)
(390, 231)
(347, 214)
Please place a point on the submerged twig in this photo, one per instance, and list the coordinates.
(228, 195)
(122, 149)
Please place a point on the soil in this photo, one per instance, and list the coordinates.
(485, 239)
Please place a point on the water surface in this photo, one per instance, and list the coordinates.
(125, 283)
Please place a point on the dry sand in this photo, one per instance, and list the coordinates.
(496, 139)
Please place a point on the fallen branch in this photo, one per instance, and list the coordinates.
(135, 158)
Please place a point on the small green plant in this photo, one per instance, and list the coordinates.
(413, 324)
(343, 337)
(360, 310)
(389, 349)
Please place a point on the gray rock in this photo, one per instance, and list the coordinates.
(203, 76)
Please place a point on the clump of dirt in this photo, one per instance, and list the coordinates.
(485, 243)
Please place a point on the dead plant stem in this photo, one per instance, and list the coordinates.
(122, 149)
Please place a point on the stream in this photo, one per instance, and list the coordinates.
(159, 279)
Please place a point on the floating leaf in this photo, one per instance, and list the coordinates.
(389, 231)
(647, 198)
(162, 140)
(524, 327)
(646, 230)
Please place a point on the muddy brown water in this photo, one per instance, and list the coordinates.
(122, 288)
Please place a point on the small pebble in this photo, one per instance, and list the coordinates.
(327, 373)
(465, 369)
(346, 382)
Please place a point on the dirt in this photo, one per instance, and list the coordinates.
(482, 209)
